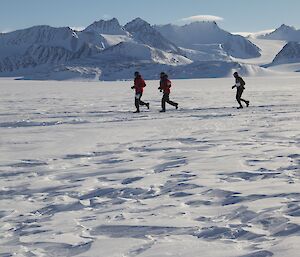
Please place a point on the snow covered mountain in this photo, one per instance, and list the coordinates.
(42, 35)
(290, 53)
(284, 32)
(110, 27)
(144, 33)
(141, 52)
(105, 34)
(41, 45)
(196, 34)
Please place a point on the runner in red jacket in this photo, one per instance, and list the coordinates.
(165, 85)
(139, 85)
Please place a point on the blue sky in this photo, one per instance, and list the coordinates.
(233, 15)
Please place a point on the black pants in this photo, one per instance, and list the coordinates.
(239, 93)
(167, 99)
(138, 101)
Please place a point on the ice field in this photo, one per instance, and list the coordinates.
(81, 175)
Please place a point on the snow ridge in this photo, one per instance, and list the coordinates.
(290, 53)
(284, 32)
(144, 33)
(111, 27)
(196, 34)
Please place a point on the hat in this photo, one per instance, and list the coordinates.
(163, 75)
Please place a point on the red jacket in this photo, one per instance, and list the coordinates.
(165, 85)
(139, 84)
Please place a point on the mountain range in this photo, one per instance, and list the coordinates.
(106, 50)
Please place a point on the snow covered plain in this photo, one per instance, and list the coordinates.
(81, 175)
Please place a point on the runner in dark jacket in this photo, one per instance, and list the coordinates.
(239, 84)
(139, 85)
(164, 86)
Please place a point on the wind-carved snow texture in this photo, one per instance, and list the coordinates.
(81, 175)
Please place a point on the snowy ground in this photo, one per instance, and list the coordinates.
(81, 175)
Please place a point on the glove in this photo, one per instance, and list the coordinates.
(132, 87)
(233, 87)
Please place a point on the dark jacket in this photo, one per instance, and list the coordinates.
(239, 82)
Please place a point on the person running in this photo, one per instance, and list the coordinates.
(139, 85)
(165, 85)
(239, 84)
